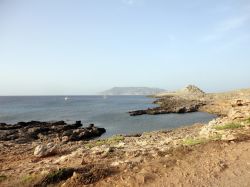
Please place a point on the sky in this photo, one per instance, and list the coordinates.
(78, 47)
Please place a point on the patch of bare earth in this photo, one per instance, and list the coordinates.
(217, 163)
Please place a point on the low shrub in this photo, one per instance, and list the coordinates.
(228, 126)
(108, 141)
(3, 177)
(193, 141)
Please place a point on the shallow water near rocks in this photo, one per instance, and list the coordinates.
(109, 112)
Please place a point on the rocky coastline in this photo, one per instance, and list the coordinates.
(189, 99)
(212, 154)
(171, 104)
(24, 132)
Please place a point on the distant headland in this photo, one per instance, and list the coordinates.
(132, 91)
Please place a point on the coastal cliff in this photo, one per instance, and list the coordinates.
(213, 154)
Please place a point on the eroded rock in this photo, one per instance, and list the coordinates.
(24, 132)
(171, 104)
(46, 150)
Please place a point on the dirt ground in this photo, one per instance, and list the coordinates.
(213, 164)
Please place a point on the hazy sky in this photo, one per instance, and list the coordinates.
(86, 46)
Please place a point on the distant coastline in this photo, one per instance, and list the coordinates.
(132, 91)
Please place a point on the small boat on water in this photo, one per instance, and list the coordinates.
(66, 98)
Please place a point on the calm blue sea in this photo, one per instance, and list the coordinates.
(109, 112)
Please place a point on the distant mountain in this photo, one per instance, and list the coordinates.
(132, 91)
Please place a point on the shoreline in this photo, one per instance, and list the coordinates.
(35, 128)
(122, 160)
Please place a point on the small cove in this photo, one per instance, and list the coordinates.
(108, 112)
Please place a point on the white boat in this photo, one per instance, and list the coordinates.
(66, 98)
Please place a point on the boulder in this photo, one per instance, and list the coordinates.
(65, 139)
(45, 150)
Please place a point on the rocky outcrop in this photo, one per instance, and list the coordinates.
(28, 131)
(45, 150)
(192, 89)
(188, 99)
(171, 104)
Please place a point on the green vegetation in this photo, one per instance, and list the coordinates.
(108, 141)
(27, 179)
(216, 137)
(56, 176)
(248, 120)
(228, 126)
(2, 178)
(194, 141)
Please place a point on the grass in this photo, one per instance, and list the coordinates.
(56, 176)
(108, 141)
(3, 177)
(27, 179)
(247, 120)
(193, 141)
(216, 137)
(228, 126)
(196, 141)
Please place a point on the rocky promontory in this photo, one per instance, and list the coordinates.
(171, 104)
(186, 100)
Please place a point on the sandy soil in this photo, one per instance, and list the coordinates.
(212, 164)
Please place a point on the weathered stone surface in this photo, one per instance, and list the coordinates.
(45, 150)
(228, 137)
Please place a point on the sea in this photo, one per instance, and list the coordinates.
(110, 112)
